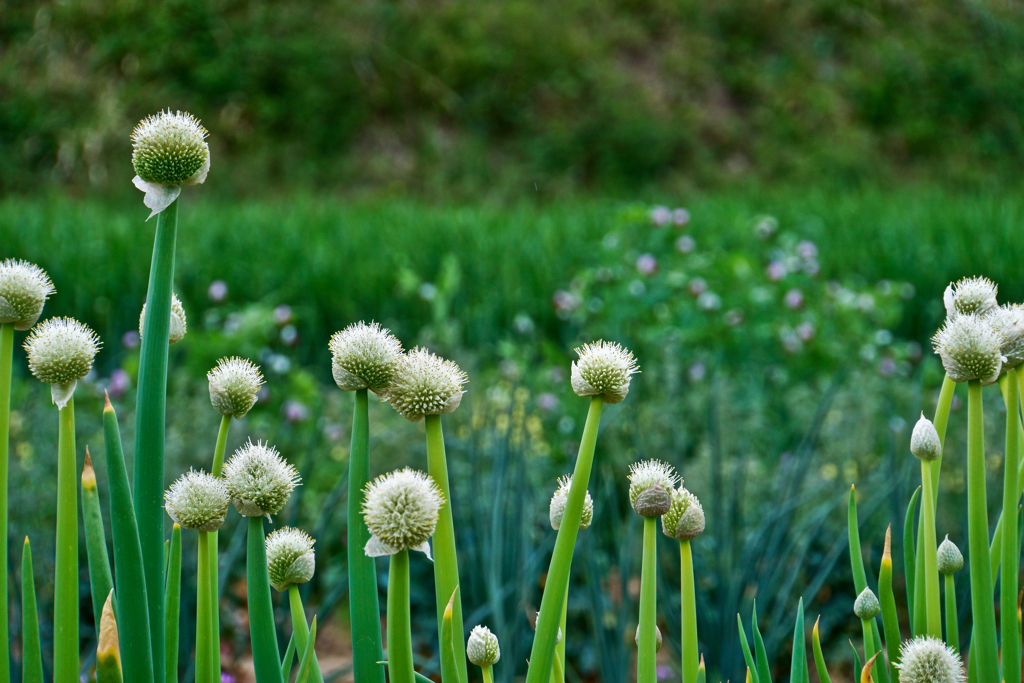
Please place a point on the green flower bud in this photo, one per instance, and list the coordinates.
(928, 660)
(651, 483)
(425, 384)
(685, 519)
(603, 369)
(197, 500)
(290, 558)
(234, 386)
(259, 480)
(365, 357)
(924, 441)
(657, 638)
(557, 508)
(970, 348)
(60, 352)
(482, 647)
(949, 557)
(1008, 321)
(866, 606)
(24, 289)
(401, 510)
(178, 324)
(970, 296)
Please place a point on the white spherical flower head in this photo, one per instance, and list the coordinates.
(425, 384)
(651, 483)
(401, 509)
(259, 479)
(24, 289)
(365, 357)
(60, 352)
(290, 558)
(556, 511)
(684, 521)
(950, 559)
(970, 296)
(168, 151)
(866, 606)
(924, 441)
(603, 369)
(178, 323)
(1008, 320)
(970, 348)
(482, 647)
(234, 386)
(197, 500)
(929, 660)
(658, 640)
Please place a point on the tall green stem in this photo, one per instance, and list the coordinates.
(488, 676)
(1009, 624)
(150, 423)
(6, 358)
(647, 649)
(933, 612)
(446, 564)
(204, 622)
(265, 652)
(65, 590)
(31, 652)
(364, 607)
(400, 665)
(982, 609)
(952, 625)
(688, 605)
(172, 604)
(218, 465)
(301, 631)
(560, 647)
(543, 651)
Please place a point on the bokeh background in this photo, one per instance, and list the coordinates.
(764, 200)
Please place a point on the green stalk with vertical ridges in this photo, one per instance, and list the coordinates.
(31, 651)
(984, 648)
(400, 665)
(952, 624)
(909, 566)
(101, 580)
(218, 466)
(819, 658)
(300, 630)
(6, 360)
(887, 600)
(150, 425)
(647, 647)
(1009, 623)
(543, 651)
(262, 632)
(933, 604)
(446, 564)
(688, 617)
(364, 606)
(172, 604)
(204, 620)
(65, 589)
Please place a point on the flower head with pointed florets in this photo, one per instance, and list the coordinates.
(970, 296)
(928, 660)
(658, 638)
(556, 511)
(197, 500)
(24, 289)
(970, 348)
(685, 519)
(178, 326)
(866, 606)
(1008, 321)
(290, 558)
(234, 385)
(60, 352)
(425, 384)
(950, 559)
(365, 357)
(603, 369)
(259, 479)
(482, 647)
(651, 483)
(924, 441)
(401, 510)
(168, 151)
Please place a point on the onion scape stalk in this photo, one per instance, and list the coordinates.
(31, 651)
(887, 599)
(172, 604)
(101, 580)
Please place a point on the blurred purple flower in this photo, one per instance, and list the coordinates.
(733, 317)
(218, 291)
(660, 215)
(283, 315)
(226, 677)
(665, 672)
(697, 372)
(547, 401)
(698, 286)
(775, 271)
(120, 382)
(794, 299)
(807, 250)
(566, 303)
(131, 339)
(295, 412)
(887, 367)
(647, 264)
(685, 244)
(805, 331)
(709, 301)
(680, 217)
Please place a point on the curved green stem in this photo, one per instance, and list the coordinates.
(487, 675)
(688, 605)
(400, 664)
(172, 604)
(6, 359)
(31, 651)
(218, 466)
(952, 625)
(819, 658)
(1009, 623)
(204, 622)
(65, 590)
(647, 649)
(262, 632)
(933, 604)
(301, 631)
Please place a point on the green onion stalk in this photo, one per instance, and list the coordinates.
(860, 580)
(1009, 621)
(290, 562)
(684, 521)
(909, 562)
(301, 630)
(926, 446)
(204, 619)
(996, 547)
(31, 651)
(890, 619)
(6, 360)
(214, 543)
(867, 608)
(172, 604)
(101, 580)
(65, 590)
(950, 562)
(400, 664)
(266, 657)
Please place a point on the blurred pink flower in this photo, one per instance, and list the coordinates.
(660, 215)
(295, 412)
(805, 331)
(685, 244)
(131, 339)
(547, 401)
(283, 315)
(680, 217)
(794, 299)
(218, 291)
(120, 382)
(647, 264)
(566, 303)
(807, 250)
(775, 271)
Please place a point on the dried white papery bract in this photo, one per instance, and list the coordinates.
(556, 510)
(168, 151)
(951, 560)
(1008, 320)
(365, 356)
(60, 352)
(290, 558)
(425, 384)
(970, 348)
(651, 483)
(924, 441)
(603, 369)
(197, 500)
(234, 385)
(24, 289)
(482, 647)
(866, 606)
(929, 660)
(178, 326)
(970, 296)
(658, 640)
(259, 479)
(685, 519)
(401, 510)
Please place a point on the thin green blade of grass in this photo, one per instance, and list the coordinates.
(763, 671)
(308, 656)
(31, 650)
(819, 657)
(288, 659)
(747, 656)
(300, 630)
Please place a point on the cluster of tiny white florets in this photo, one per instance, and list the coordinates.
(365, 357)
(197, 500)
(178, 326)
(401, 510)
(425, 384)
(929, 660)
(170, 149)
(482, 647)
(658, 639)
(61, 350)
(866, 606)
(603, 369)
(970, 296)
(685, 519)
(924, 440)
(24, 289)
(290, 558)
(1008, 321)
(950, 559)
(234, 385)
(259, 479)
(970, 348)
(556, 511)
(651, 483)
